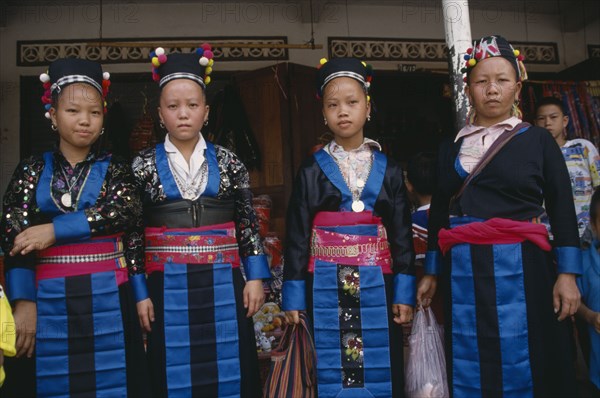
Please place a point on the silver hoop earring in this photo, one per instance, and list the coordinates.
(53, 127)
(161, 124)
(102, 131)
(206, 122)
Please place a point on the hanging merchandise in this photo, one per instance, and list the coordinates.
(594, 90)
(142, 136)
(262, 207)
(229, 127)
(274, 252)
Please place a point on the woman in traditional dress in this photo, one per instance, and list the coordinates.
(508, 298)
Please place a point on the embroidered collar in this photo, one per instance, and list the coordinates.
(470, 129)
(334, 148)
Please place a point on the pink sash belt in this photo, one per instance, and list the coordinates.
(204, 245)
(347, 247)
(494, 231)
(96, 255)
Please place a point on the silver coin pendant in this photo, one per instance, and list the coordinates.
(358, 206)
(66, 200)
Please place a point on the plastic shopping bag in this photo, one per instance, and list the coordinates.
(425, 371)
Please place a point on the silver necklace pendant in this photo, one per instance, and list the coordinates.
(358, 206)
(66, 200)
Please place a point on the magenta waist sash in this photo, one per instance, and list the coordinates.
(350, 238)
(494, 231)
(96, 255)
(203, 245)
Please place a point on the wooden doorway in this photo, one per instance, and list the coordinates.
(286, 120)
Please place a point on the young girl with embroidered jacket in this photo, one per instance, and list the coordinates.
(68, 278)
(200, 225)
(349, 258)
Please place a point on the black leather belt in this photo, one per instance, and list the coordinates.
(189, 214)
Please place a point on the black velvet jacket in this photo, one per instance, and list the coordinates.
(526, 174)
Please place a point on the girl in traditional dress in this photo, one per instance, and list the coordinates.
(508, 303)
(349, 258)
(68, 277)
(201, 229)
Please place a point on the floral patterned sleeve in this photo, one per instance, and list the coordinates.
(235, 182)
(147, 179)
(135, 239)
(19, 210)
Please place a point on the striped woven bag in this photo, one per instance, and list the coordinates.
(293, 363)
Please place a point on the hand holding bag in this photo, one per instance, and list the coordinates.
(293, 364)
(425, 373)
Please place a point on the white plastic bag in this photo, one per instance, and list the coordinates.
(425, 372)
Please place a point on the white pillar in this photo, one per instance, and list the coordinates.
(457, 26)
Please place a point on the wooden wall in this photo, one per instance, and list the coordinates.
(282, 110)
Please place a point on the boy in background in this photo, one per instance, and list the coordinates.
(420, 182)
(581, 157)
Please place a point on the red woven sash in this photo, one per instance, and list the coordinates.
(204, 245)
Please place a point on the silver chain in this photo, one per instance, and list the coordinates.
(358, 191)
(64, 173)
(192, 188)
